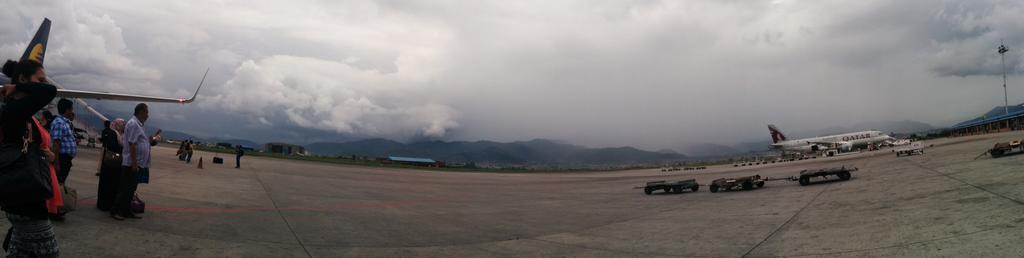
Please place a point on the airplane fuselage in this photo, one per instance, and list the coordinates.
(844, 142)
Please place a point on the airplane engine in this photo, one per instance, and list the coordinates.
(845, 146)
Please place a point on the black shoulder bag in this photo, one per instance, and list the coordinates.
(24, 173)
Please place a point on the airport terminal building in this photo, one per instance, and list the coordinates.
(284, 148)
(996, 120)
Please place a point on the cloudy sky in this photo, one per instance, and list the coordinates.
(651, 74)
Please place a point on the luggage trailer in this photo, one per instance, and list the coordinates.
(1006, 148)
(670, 186)
(842, 173)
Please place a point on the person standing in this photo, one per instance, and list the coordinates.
(47, 119)
(64, 141)
(135, 162)
(188, 152)
(107, 133)
(181, 151)
(238, 156)
(54, 204)
(31, 233)
(110, 170)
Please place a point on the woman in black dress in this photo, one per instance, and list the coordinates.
(110, 170)
(31, 234)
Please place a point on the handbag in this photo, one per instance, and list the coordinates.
(111, 158)
(24, 173)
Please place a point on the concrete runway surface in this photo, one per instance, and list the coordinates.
(940, 204)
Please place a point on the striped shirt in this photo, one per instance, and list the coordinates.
(61, 131)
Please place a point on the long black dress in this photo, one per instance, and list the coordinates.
(109, 172)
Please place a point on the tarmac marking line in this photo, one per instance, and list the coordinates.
(897, 245)
(1018, 202)
(106, 220)
(791, 218)
(286, 223)
(604, 249)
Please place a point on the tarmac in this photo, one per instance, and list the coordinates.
(943, 203)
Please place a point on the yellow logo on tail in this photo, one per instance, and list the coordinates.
(37, 53)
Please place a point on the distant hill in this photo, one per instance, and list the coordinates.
(180, 136)
(524, 153)
(899, 127)
(246, 143)
(1000, 110)
(709, 150)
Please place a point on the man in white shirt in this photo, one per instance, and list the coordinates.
(135, 161)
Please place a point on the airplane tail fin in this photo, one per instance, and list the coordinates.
(36, 49)
(777, 136)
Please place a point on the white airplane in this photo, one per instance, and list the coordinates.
(36, 50)
(841, 142)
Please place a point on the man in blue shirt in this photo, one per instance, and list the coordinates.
(135, 161)
(64, 142)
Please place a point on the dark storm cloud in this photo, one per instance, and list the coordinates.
(968, 34)
(653, 74)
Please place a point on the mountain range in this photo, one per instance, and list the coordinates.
(550, 153)
(537, 152)
(175, 135)
(534, 153)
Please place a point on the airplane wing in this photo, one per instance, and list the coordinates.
(825, 143)
(82, 94)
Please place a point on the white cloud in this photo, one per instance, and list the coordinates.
(644, 73)
(86, 50)
(333, 96)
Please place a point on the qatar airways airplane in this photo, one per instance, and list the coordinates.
(841, 142)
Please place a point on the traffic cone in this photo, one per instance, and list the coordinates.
(200, 162)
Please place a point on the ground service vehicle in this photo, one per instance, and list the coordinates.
(1004, 148)
(913, 148)
(669, 187)
(745, 183)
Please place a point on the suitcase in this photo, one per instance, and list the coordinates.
(137, 205)
(218, 160)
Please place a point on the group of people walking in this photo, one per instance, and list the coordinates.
(36, 159)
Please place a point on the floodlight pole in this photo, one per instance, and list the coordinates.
(1006, 100)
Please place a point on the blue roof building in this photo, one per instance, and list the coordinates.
(996, 120)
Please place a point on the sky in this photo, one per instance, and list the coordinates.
(650, 74)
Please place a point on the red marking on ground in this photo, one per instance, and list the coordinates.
(325, 208)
